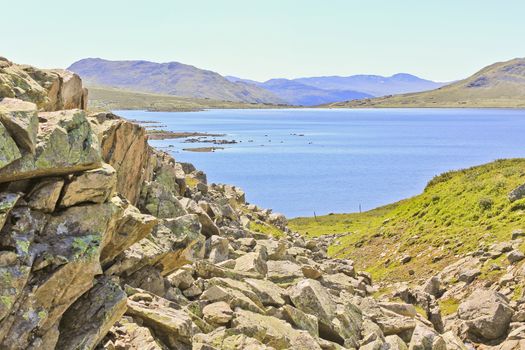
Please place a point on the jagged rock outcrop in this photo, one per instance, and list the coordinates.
(108, 243)
(50, 89)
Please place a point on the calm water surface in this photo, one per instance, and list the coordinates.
(346, 158)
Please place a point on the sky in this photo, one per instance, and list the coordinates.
(442, 40)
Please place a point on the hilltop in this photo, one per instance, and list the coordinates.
(498, 85)
(171, 78)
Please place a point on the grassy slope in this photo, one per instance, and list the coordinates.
(499, 85)
(457, 212)
(111, 99)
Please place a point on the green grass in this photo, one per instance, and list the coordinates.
(266, 229)
(457, 213)
(448, 306)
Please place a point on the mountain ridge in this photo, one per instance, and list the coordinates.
(171, 78)
(499, 85)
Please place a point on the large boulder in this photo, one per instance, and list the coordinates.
(171, 324)
(66, 251)
(65, 144)
(272, 331)
(9, 151)
(425, 338)
(100, 308)
(93, 186)
(21, 120)
(124, 146)
(486, 315)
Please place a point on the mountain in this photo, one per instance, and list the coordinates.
(304, 95)
(501, 84)
(296, 93)
(171, 78)
(321, 90)
(374, 85)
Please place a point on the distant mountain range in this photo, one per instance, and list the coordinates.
(170, 79)
(300, 94)
(499, 85)
(319, 90)
(183, 80)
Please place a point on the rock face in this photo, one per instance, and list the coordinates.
(104, 244)
(486, 315)
(51, 90)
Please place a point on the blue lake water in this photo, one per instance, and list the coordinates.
(346, 158)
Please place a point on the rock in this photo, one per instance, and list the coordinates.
(517, 234)
(93, 186)
(66, 90)
(407, 310)
(129, 335)
(172, 325)
(276, 249)
(219, 249)
(193, 291)
(283, 271)
(45, 194)
(425, 338)
(301, 320)
(9, 151)
(71, 240)
(65, 144)
(233, 297)
(515, 256)
(452, 341)
(269, 293)
(486, 315)
(7, 202)
(251, 262)
(15, 82)
(339, 282)
(179, 242)
(517, 193)
(433, 286)
(272, 331)
(310, 297)
(124, 147)
(395, 343)
(218, 313)
(181, 279)
(227, 339)
(131, 227)
(99, 308)
(405, 259)
(468, 276)
(21, 120)
(311, 272)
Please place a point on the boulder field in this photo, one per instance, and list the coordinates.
(107, 243)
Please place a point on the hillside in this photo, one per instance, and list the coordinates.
(498, 85)
(459, 212)
(172, 78)
(118, 99)
(374, 85)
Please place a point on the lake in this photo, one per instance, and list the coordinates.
(301, 161)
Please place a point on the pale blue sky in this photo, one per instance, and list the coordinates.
(261, 39)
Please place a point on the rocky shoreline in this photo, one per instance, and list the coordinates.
(108, 243)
